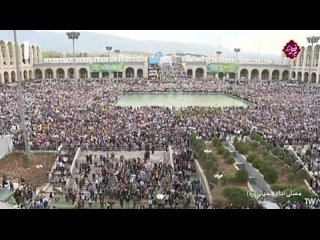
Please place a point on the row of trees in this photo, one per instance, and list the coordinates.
(235, 194)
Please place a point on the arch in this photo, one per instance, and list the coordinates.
(33, 53)
(232, 75)
(129, 72)
(285, 75)
(38, 74)
(13, 76)
(299, 76)
(3, 47)
(25, 75)
(83, 73)
(305, 77)
(199, 73)
(301, 56)
(11, 52)
(30, 74)
(308, 58)
(254, 74)
(275, 74)
(140, 73)
(6, 77)
(313, 77)
(38, 53)
(265, 75)
(316, 55)
(22, 53)
(221, 75)
(60, 73)
(244, 73)
(293, 75)
(48, 73)
(189, 73)
(70, 73)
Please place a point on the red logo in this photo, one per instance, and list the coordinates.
(291, 49)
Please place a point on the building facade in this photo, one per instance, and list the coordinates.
(36, 67)
(307, 63)
(8, 72)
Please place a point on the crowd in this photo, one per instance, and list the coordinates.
(86, 115)
(173, 73)
(136, 183)
(56, 114)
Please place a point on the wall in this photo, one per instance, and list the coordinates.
(76, 156)
(6, 145)
(203, 181)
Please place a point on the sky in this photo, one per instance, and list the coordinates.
(258, 41)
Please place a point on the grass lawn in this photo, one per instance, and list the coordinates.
(15, 167)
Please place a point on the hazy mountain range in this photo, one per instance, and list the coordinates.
(96, 42)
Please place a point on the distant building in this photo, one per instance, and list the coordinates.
(34, 66)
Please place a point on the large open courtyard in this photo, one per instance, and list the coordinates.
(178, 99)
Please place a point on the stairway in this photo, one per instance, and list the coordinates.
(5, 205)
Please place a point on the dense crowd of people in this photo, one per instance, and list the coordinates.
(87, 115)
(173, 72)
(136, 183)
(56, 113)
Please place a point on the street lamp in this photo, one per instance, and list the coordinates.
(74, 36)
(21, 99)
(207, 151)
(236, 50)
(109, 50)
(218, 54)
(117, 51)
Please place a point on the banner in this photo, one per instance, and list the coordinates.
(106, 67)
(222, 67)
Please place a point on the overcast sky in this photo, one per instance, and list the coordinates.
(265, 41)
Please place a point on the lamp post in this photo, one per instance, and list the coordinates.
(74, 36)
(108, 48)
(207, 151)
(236, 50)
(117, 51)
(21, 99)
(218, 54)
(312, 40)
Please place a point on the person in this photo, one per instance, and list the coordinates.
(134, 201)
(11, 186)
(152, 149)
(141, 203)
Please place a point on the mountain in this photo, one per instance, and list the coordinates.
(96, 42)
